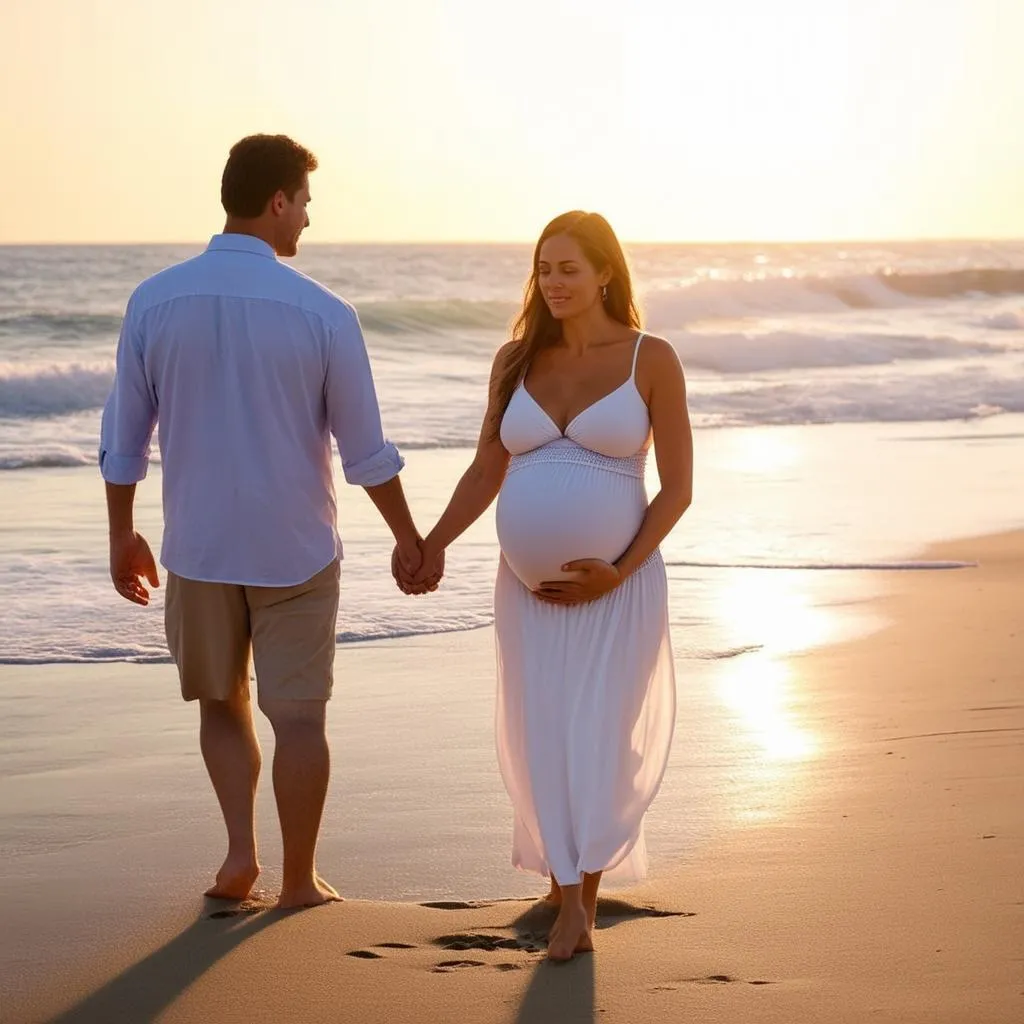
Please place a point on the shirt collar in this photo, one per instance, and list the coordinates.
(241, 243)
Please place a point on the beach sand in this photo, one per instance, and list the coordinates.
(892, 890)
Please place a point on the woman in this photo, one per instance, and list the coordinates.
(586, 691)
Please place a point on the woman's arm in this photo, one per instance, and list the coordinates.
(673, 449)
(479, 485)
(660, 379)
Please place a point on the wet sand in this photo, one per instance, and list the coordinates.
(888, 890)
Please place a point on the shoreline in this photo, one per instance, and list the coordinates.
(886, 889)
(815, 491)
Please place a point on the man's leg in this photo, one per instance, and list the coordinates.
(232, 755)
(302, 767)
(293, 639)
(208, 636)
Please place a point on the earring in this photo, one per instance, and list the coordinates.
(604, 293)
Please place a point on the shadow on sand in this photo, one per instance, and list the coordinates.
(560, 992)
(566, 992)
(144, 991)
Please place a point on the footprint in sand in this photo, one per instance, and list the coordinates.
(611, 911)
(244, 908)
(368, 954)
(454, 905)
(461, 942)
(708, 979)
(527, 942)
(530, 933)
(446, 966)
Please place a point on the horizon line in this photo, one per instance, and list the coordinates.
(882, 240)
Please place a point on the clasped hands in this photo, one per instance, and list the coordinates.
(417, 569)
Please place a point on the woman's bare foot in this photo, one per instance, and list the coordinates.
(591, 883)
(235, 879)
(310, 894)
(554, 897)
(570, 934)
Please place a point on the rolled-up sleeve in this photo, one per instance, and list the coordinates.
(353, 413)
(130, 414)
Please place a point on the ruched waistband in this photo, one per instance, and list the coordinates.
(567, 451)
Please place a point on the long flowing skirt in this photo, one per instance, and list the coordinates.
(585, 715)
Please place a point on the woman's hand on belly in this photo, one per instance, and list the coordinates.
(588, 579)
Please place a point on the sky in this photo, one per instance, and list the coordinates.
(471, 120)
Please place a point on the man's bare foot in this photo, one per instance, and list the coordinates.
(235, 879)
(312, 894)
(570, 933)
(327, 887)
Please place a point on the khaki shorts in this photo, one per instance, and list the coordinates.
(212, 628)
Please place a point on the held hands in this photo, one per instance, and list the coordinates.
(417, 570)
(591, 578)
(131, 561)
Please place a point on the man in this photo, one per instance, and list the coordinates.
(249, 367)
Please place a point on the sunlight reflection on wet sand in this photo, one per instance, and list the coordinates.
(760, 690)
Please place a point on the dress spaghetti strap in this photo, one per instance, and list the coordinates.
(636, 353)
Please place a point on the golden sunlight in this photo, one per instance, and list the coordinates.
(773, 607)
(761, 452)
(695, 121)
(758, 686)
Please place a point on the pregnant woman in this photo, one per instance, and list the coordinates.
(586, 691)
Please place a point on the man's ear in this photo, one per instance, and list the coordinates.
(277, 202)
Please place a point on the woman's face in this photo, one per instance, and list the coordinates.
(568, 282)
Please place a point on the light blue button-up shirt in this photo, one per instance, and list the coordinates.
(248, 366)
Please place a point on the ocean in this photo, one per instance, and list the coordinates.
(851, 402)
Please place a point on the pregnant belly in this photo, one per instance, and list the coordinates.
(550, 513)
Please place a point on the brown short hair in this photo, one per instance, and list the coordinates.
(258, 167)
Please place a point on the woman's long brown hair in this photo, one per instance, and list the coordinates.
(535, 328)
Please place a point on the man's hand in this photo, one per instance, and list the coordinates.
(421, 578)
(406, 560)
(131, 561)
(591, 578)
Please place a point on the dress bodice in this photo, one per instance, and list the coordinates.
(617, 425)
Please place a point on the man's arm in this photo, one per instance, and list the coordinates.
(125, 434)
(368, 460)
(391, 504)
(131, 560)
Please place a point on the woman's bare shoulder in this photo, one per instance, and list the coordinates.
(658, 352)
(505, 353)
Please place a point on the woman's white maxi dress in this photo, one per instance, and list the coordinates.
(586, 693)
